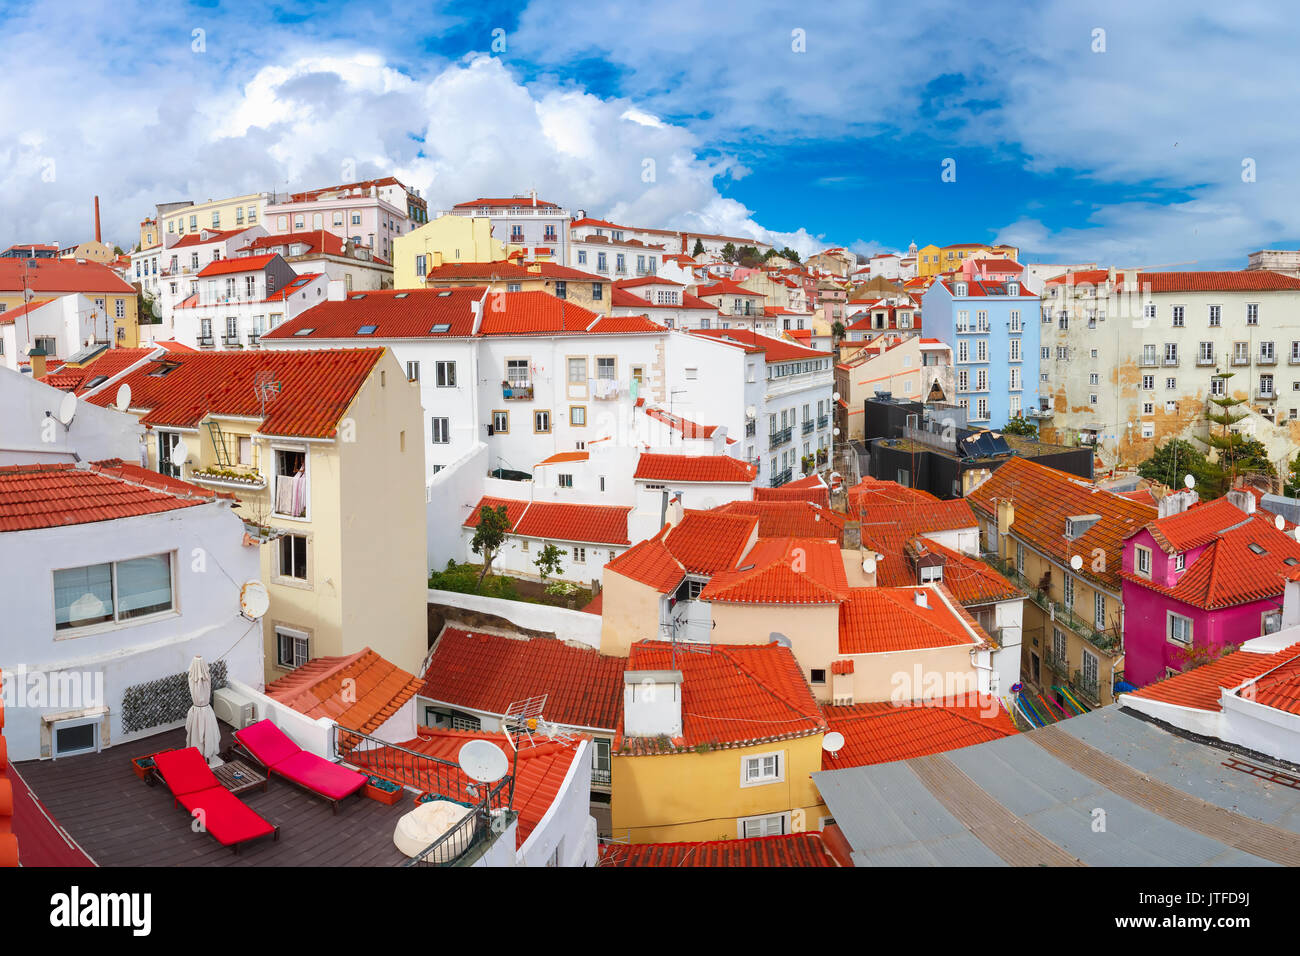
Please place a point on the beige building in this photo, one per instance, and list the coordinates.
(907, 366)
(215, 214)
(1129, 360)
(323, 450)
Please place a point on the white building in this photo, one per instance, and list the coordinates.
(323, 253)
(168, 274)
(667, 302)
(541, 228)
(615, 258)
(61, 325)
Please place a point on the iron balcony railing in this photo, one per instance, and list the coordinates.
(1086, 688)
(205, 341)
(1059, 664)
(781, 478)
(823, 421)
(808, 426)
(601, 778)
(1104, 639)
(231, 340)
(751, 429)
(1266, 360)
(775, 439)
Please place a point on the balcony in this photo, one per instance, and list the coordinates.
(1104, 639)
(823, 421)
(808, 426)
(1149, 362)
(517, 391)
(231, 341)
(254, 338)
(601, 778)
(1203, 361)
(1239, 360)
(1266, 360)
(206, 342)
(781, 478)
(1293, 359)
(1059, 664)
(1170, 362)
(1265, 394)
(776, 439)
(1087, 689)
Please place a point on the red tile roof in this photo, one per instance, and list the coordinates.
(968, 579)
(377, 691)
(222, 267)
(519, 201)
(563, 457)
(1044, 497)
(107, 364)
(791, 849)
(651, 563)
(777, 350)
(539, 772)
(686, 427)
(317, 386)
(1245, 280)
(1275, 678)
(646, 280)
(204, 236)
(811, 489)
(7, 317)
(706, 542)
(693, 468)
(488, 672)
(724, 287)
(1230, 571)
(317, 241)
(979, 287)
(60, 275)
(783, 571)
(8, 841)
(506, 269)
(887, 731)
(733, 695)
(55, 495)
(913, 518)
(790, 519)
(870, 491)
(585, 524)
(876, 620)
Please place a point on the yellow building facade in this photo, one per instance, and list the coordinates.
(446, 239)
(237, 212)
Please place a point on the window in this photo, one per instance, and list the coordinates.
(605, 369)
(1207, 352)
(412, 371)
(582, 257)
(597, 292)
(167, 463)
(501, 423)
(818, 675)
(1060, 649)
(1266, 353)
(444, 374)
(1099, 610)
(1179, 629)
(1089, 661)
(561, 289)
(762, 769)
(293, 648)
(517, 371)
(541, 422)
(71, 737)
(1216, 316)
(1180, 561)
(1171, 383)
(1143, 561)
(441, 431)
(579, 555)
(577, 415)
(577, 371)
(1094, 378)
(245, 451)
(1069, 592)
(1218, 385)
(117, 591)
(292, 554)
(420, 265)
(564, 481)
(1171, 353)
(774, 825)
(1178, 316)
(1252, 313)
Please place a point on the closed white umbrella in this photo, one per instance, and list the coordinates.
(201, 728)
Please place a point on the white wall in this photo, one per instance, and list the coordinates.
(565, 624)
(450, 496)
(27, 435)
(568, 824)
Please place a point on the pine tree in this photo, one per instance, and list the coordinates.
(1236, 454)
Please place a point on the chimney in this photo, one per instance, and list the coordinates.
(652, 703)
(921, 599)
(37, 356)
(1006, 517)
(1243, 499)
(98, 238)
(533, 193)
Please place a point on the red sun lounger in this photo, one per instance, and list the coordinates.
(269, 746)
(194, 786)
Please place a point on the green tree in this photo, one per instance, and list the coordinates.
(1170, 462)
(1236, 454)
(489, 536)
(548, 561)
(788, 253)
(729, 252)
(698, 250)
(1292, 488)
(837, 331)
(1021, 426)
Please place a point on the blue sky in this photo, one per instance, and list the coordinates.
(818, 126)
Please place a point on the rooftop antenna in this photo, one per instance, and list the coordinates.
(266, 386)
(524, 722)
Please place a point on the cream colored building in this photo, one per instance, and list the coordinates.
(342, 547)
(1129, 360)
(907, 366)
(236, 212)
(447, 239)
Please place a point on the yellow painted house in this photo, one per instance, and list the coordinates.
(447, 239)
(235, 212)
(715, 743)
(322, 449)
(933, 260)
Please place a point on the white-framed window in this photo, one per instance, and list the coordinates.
(441, 431)
(1143, 562)
(1179, 629)
(1020, 556)
(1180, 561)
(444, 374)
(774, 824)
(1069, 592)
(1089, 668)
(412, 371)
(761, 769)
(1252, 313)
(292, 647)
(291, 557)
(1148, 429)
(564, 480)
(501, 422)
(541, 422)
(1099, 610)
(1178, 316)
(292, 483)
(76, 736)
(1060, 648)
(114, 592)
(1216, 315)
(579, 555)
(167, 463)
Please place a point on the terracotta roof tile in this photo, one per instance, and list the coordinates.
(783, 571)
(692, 468)
(317, 386)
(875, 620)
(488, 672)
(706, 542)
(886, 731)
(733, 695)
(60, 275)
(378, 689)
(1275, 678)
(236, 264)
(584, 524)
(55, 495)
(803, 489)
(778, 350)
(1044, 497)
(651, 563)
(791, 849)
(106, 365)
(790, 519)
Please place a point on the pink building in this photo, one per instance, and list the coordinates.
(1198, 581)
(370, 214)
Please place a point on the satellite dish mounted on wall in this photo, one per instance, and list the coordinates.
(67, 409)
(1190, 482)
(833, 742)
(253, 600)
(123, 400)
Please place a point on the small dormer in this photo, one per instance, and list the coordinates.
(959, 288)
(1076, 526)
(1013, 288)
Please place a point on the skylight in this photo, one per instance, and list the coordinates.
(367, 330)
(360, 295)
(1256, 548)
(97, 380)
(401, 295)
(444, 294)
(441, 327)
(304, 331)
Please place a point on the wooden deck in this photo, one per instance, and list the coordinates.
(121, 821)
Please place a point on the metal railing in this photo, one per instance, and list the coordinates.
(205, 341)
(1087, 689)
(230, 339)
(808, 426)
(1170, 362)
(1059, 664)
(1265, 394)
(1239, 360)
(254, 337)
(1104, 639)
(823, 421)
(777, 438)
(781, 478)
(601, 778)
(1266, 360)
(1204, 360)
(516, 392)
(751, 429)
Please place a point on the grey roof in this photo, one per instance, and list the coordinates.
(890, 817)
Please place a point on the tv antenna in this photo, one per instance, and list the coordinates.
(524, 722)
(266, 386)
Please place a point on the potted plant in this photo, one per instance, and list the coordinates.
(383, 790)
(143, 765)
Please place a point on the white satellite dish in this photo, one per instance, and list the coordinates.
(180, 452)
(1076, 562)
(254, 599)
(123, 400)
(869, 565)
(1279, 522)
(835, 431)
(1190, 482)
(751, 411)
(483, 761)
(1296, 532)
(67, 409)
(835, 396)
(833, 742)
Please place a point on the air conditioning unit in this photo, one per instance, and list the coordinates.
(234, 708)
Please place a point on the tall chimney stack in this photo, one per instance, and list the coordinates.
(98, 238)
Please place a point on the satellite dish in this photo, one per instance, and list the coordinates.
(67, 409)
(1279, 522)
(751, 411)
(254, 599)
(483, 761)
(776, 637)
(1190, 482)
(833, 742)
(835, 431)
(180, 452)
(869, 565)
(1076, 562)
(835, 396)
(123, 400)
